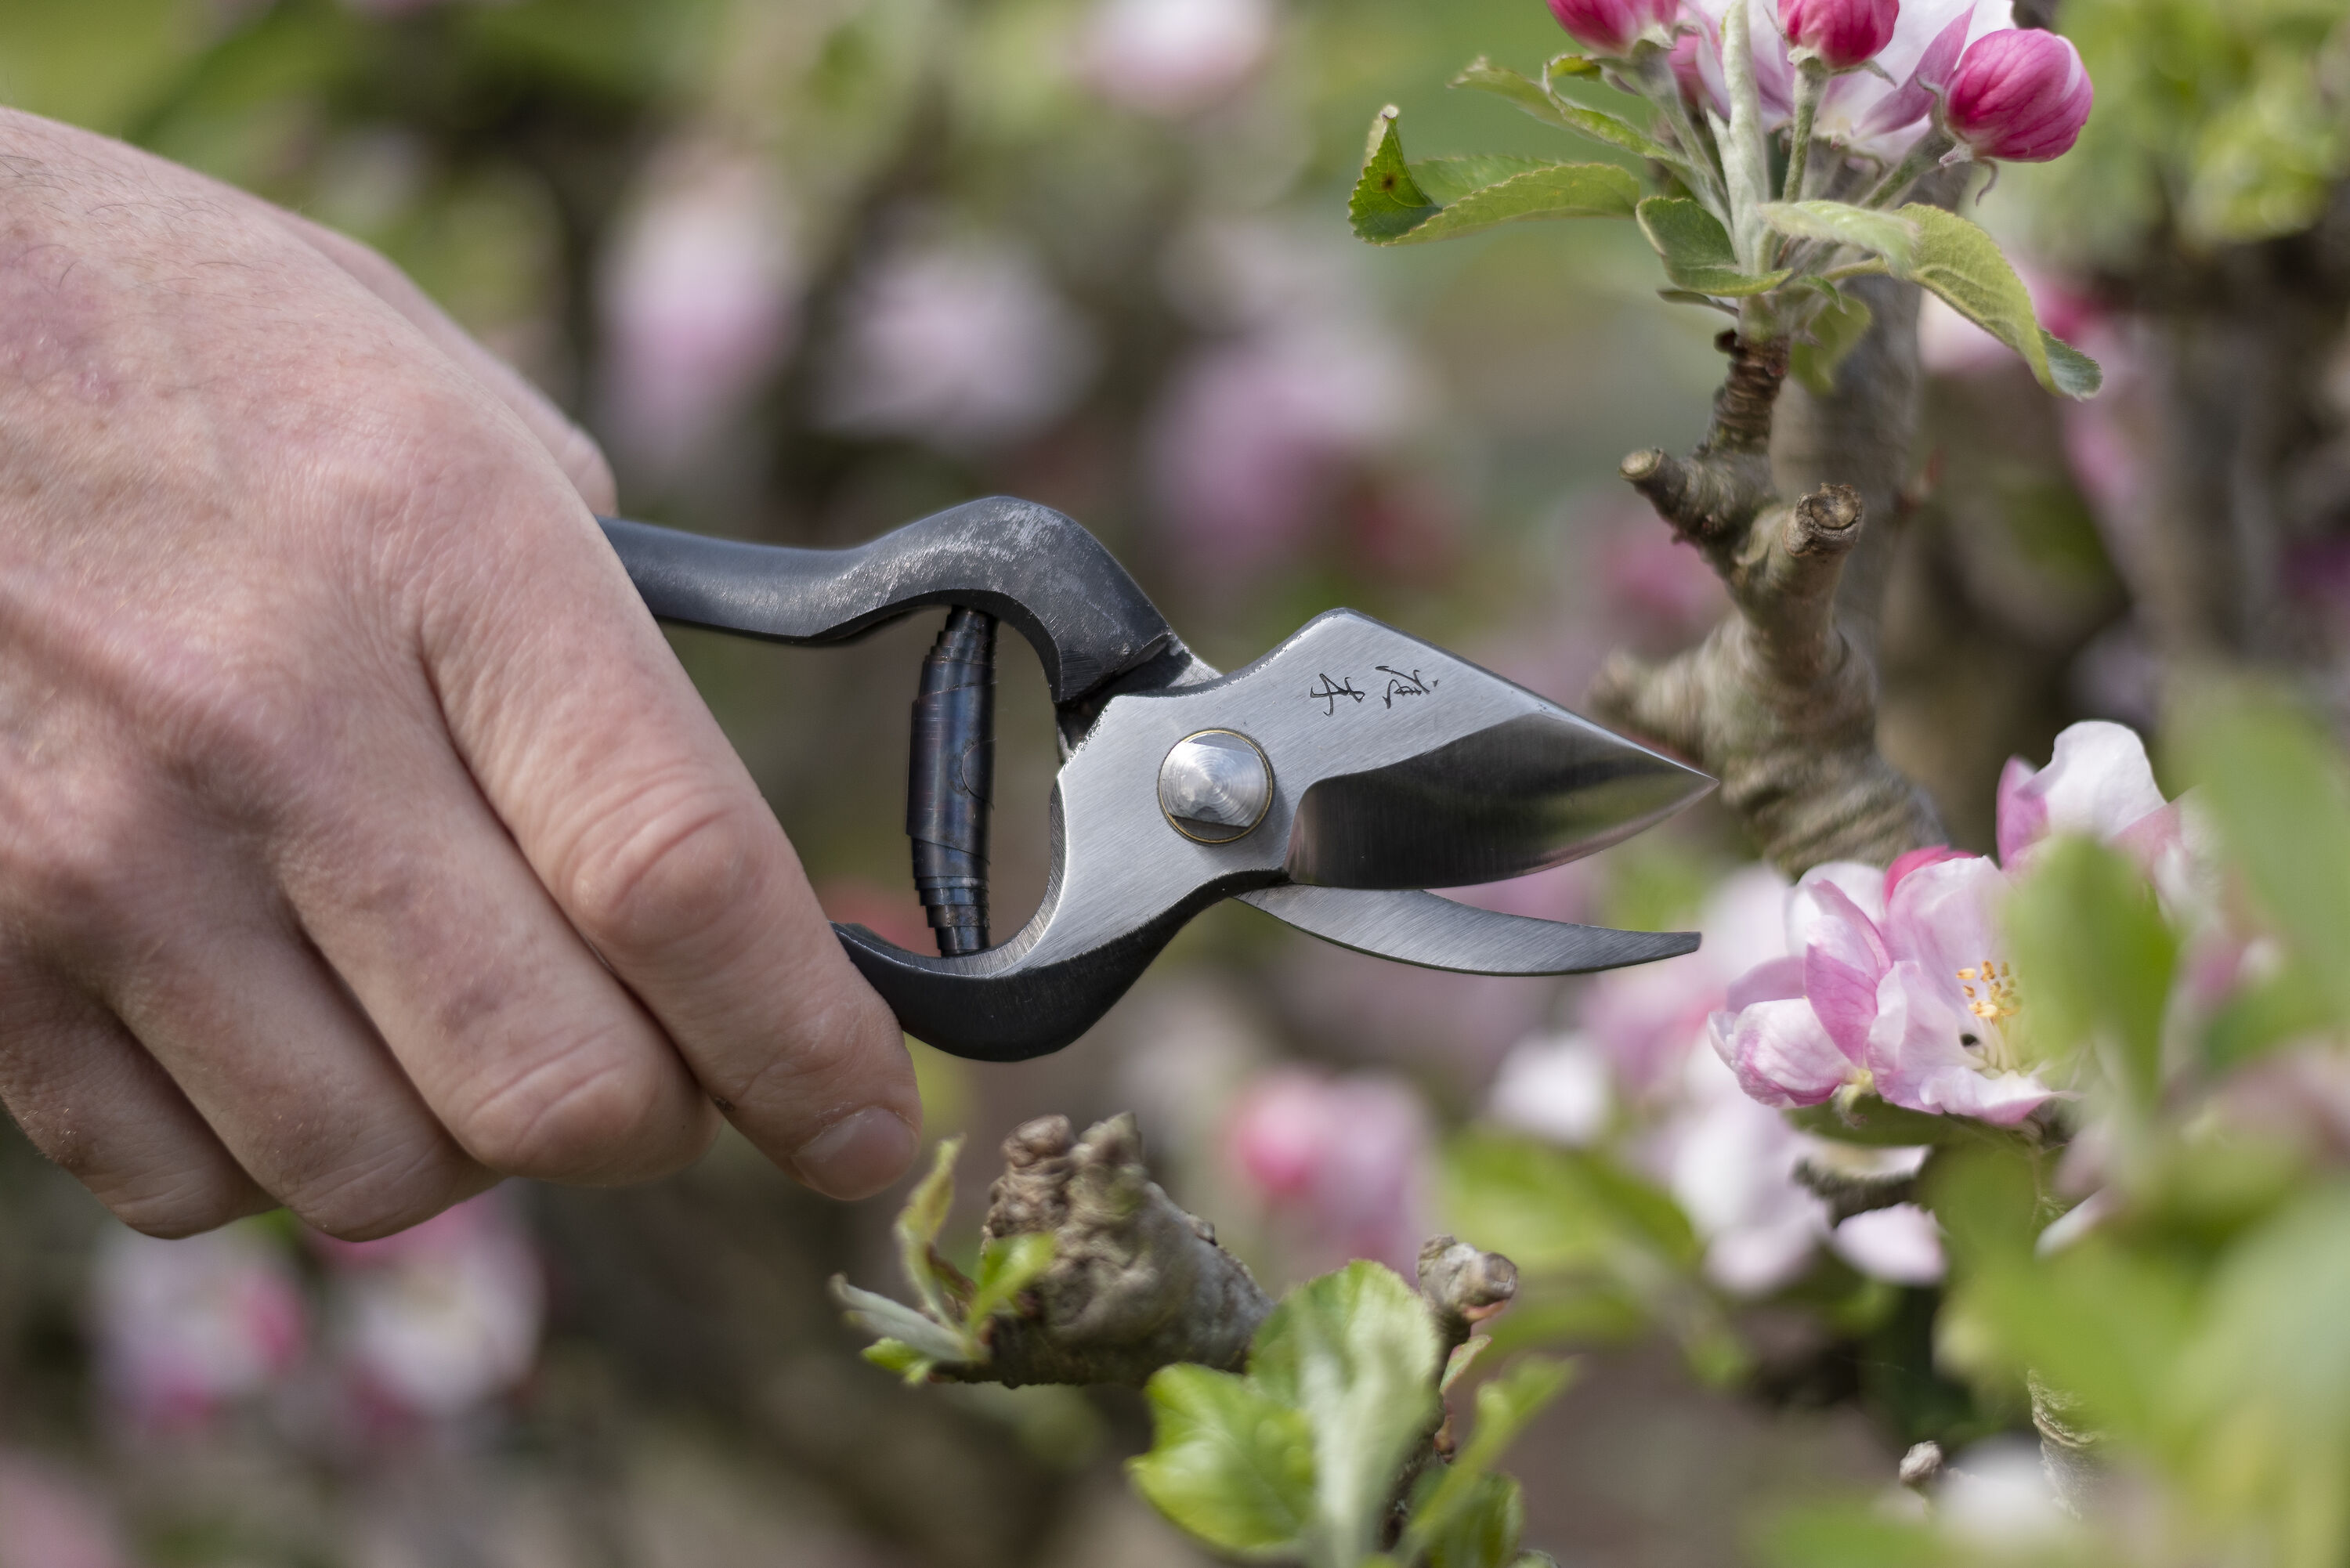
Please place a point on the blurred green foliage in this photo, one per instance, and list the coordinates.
(2216, 121)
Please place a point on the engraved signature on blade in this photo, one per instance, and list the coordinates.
(1329, 691)
(1403, 685)
(1400, 683)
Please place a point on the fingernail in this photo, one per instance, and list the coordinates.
(858, 1155)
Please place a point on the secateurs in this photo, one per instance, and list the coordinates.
(1330, 784)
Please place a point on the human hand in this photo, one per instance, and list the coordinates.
(360, 838)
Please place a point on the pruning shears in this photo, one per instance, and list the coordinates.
(1330, 784)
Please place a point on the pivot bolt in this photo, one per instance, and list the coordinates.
(1215, 785)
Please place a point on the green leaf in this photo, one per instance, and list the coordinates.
(1483, 1530)
(1536, 99)
(1834, 333)
(1356, 1352)
(1555, 191)
(1389, 205)
(2062, 1319)
(916, 1230)
(1888, 234)
(1614, 131)
(1444, 180)
(1554, 1210)
(1962, 264)
(2278, 789)
(1690, 296)
(1744, 145)
(1849, 1535)
(1873, 1124)
(2264, 1385)
(1007, 1266)
(1228, 1463)
(1504, 1405)
(2077, 375)
(886, 1319)
(2287, 1006)
(2096, 957)
(896, 1355)
(1697, 251)
(1484, 76)
(1573, 65)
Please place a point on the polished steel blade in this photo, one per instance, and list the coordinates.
(1438, 933)
(1534, 791)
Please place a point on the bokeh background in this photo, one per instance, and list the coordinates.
(812, 268)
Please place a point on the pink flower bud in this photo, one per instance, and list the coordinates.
(1843, 33)
(1613, 27)
(2019, 95)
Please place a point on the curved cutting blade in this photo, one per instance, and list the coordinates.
(1536, 790)
(1438, 933)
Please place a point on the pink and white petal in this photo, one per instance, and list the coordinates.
(1845, 956)
(1920, 1060)
(1918, 860)
(1783, 1057)
(1863, 884)
(2023, 817)
(2001, 1099)
(2178, 850)
(1759, 1259)
(1945, 916)
(1781, 980)
(2097, 781)
(1927, 43)
(1745, 921)
(1900, 1245)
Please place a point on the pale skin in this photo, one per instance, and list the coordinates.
(362, 840)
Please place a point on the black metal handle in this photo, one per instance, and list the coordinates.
(1025, 564)
(951, 780)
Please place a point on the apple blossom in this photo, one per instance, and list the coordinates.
(1861, 110)
(1556, 1086)
(1899, 1244)
(1900, 982)
(1730, 1165)
(440, 1319)
(1842, 35)
(1340, 1162)
(1174, 58)
(2022, 96)
(50, 1519)
(965, 343)
(1612, 27)
(183, 1329)
(1689, 63)
(698, 301)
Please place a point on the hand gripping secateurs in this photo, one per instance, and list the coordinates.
(1330, 784)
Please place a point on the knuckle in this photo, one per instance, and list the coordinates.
(80, 854)
(234, 729)
(593, 1109)
(682, 861)
(360, 1202)
(178, 1204)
